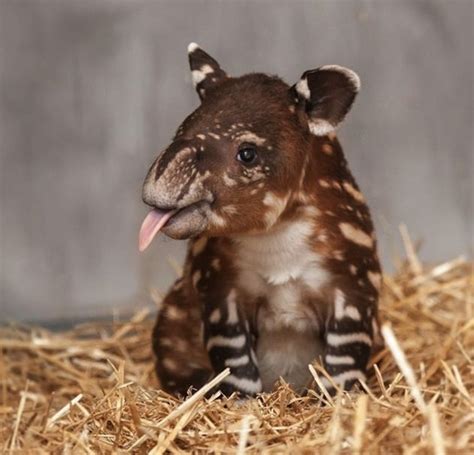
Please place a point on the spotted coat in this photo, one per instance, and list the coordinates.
(282, 268)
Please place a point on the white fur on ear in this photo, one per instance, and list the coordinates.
(192, 47)
(351, 75)
(320, 127)
(200, 74)
(303, 89)
(326, 94)
(205, 70)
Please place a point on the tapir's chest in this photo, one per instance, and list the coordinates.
(279, 274)
(280, 277)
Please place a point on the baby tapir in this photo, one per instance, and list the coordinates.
(282, 268)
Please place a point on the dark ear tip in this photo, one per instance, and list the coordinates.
(192, 47)
(350, 75)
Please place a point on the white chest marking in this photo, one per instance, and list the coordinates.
(282, 254)
(279, 266)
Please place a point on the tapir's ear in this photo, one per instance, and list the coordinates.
(205, 71)
(326, 94)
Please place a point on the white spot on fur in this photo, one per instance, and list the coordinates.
(356, 235)
(352, 312)
(237, 361)
(228, 181)
(196, 277)
(327, 149)
(244, 384)
(216, 219)
(322, 236)
(339, 359)
(375, 279)
(229, 209)
(339, 304)
(201, 136)
(335, 339)
(357, 195)
(320, 127)
(311, 211)
(216, 264)
(214, 135)
(253, 356)
(174, 313)
(342, 378)
(324, 183)
(248, 136)
(276, 206)
(199, 75)
(236, 342)
(341, 310)
(199, 245)
(215, 316)
(233, 316)
(166, 342)
(353, 269)
(375, 328)
(169, 364)
(338, 255)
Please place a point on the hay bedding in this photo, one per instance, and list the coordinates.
(92, 389)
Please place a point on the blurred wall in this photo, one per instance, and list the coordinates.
(90, 91)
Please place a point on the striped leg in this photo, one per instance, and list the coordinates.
(229, 343)
(348, 340)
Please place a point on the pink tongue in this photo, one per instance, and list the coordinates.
(153, 222)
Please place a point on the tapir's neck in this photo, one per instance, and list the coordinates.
(281, 253)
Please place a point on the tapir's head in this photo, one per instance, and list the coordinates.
(235, 161)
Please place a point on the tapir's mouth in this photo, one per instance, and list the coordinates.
(177, 223)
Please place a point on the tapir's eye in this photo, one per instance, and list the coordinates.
(247, 153)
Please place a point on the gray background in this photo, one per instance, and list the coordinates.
(90, 91)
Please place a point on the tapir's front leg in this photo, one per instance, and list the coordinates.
(349, 335)
(229, 343)
(228, 336)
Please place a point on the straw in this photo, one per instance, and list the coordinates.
(92, 389)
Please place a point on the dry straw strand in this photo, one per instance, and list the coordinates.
(92, 389)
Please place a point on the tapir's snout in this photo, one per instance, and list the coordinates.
(176, 191)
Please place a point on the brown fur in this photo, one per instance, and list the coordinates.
(299, 180)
